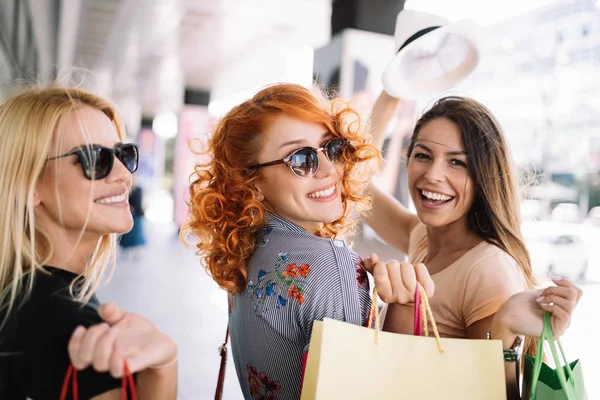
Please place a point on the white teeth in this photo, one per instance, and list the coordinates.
(322, 193)
(435, 196)
(113, 199)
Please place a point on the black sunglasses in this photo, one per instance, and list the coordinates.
(304, 162)
(97, 161)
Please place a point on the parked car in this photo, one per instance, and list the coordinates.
(566, 212)
(531, 210)
(556, 249)
(593, 217)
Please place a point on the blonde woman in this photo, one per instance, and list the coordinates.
(66, 175)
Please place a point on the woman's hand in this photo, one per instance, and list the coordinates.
(522, 314)
(396, 282)
(124, 337)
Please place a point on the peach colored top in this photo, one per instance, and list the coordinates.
(471, 288)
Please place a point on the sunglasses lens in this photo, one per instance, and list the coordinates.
(335, 150)
(96, 162)
(129, 157)
(304, 162)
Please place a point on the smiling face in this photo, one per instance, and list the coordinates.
(69, 203)
(308, 202)
(439, 182)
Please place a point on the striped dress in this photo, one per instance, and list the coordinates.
(294, 278)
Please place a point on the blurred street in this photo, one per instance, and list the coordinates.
(168, 286)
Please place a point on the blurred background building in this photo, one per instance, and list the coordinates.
(179, 64)
(174, 66)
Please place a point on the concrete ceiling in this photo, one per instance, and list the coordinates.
(144, 53)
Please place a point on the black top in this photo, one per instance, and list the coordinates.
(33, 343)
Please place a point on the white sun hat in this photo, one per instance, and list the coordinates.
(433, 54)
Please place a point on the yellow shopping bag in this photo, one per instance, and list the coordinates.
(346, 361)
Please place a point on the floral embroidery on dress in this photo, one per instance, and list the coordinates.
(274, 283)
(262, 241)
(361, 275)
(261, 386)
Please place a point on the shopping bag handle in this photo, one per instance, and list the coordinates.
(423, 308)
(374, 315)
(418, 312)
(222, 367)
(423, 314)
(71, 375)
(548, 336)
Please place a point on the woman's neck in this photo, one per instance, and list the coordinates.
(450, 238)
(72, 252)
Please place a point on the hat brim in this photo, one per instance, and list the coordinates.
(408, 76)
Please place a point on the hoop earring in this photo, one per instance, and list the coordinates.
(479, 224)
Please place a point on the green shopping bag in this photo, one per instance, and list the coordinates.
(540, 382)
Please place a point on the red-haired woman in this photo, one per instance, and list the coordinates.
(285, 185)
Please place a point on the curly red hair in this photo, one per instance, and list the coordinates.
(225, 215)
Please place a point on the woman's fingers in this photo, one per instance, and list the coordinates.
(75, 345)
(133, 338)
(406, 283)
(557, 305)
(382, 280)
(568, 294)
(396, 282)
(425, 279)
(111, 313)
(104, 349)
(560, 282)
(561, 319)
(369, 263)
(395, 275)
(116, 361)
(374, 258)
(85, 356)
(557, 309)
(561, 301)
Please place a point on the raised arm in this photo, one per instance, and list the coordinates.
(383, 112)
(391, 220)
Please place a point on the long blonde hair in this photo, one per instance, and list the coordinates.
(29, 123)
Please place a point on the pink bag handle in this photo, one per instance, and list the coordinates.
(222, 367)
(418, 328)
